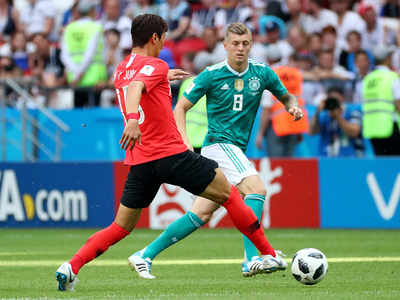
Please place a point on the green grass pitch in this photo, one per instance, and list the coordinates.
(363, 264)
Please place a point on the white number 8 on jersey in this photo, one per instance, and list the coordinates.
(237, 102)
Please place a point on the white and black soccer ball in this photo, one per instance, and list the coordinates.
(309, 266)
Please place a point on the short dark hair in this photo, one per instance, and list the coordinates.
(144, 26)
(361, 52)
(335, 89)
(353, 32)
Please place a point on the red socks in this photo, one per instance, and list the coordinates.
(96, 245)
(246, 221)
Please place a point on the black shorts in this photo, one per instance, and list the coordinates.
(188, 170)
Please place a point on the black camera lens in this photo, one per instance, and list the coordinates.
(331, 104)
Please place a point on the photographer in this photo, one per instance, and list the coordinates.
(339, 126)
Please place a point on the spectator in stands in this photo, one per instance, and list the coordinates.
(275, 8)
(272, 35)
(298, 40)
(47, 70)
(315, 42)
(20, 50)
(381, 104)
(339, 126)
(70, 14)
(347, 57)
(363, 67)
(203, 18)
(139, 7)
(112, 19)
(187, 63)
(114, 55)
(7, 19)
(264, 22)
(214, 51)
(231, 11)
(178, 17)
(328, 69)
(113, 51)
(39, 17)
(311, 87)
(295, 16)
(329, 39)
(347, 20)
(376, 32)
(273, 55)
(282, 133)
(8, 68)
(391, 9)
(82, 54)
(318, 17)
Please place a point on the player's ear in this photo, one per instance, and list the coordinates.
(154, 37)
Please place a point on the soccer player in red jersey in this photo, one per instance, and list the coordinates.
(156, 153)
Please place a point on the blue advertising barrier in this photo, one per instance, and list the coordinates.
(360, 193)
(94, 134)
(56, 194)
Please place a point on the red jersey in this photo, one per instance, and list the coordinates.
(160, 136)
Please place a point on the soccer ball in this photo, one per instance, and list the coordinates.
(309, 266)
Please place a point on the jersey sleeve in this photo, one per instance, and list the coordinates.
(199, 87)
(266, 99)
(151, 74)
(274, 84)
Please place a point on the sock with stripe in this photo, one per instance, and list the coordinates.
(96, 245)
(256, 203)
(246, 222)
(174, 232)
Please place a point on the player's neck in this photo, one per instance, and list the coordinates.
(145, 51)
(238, 67)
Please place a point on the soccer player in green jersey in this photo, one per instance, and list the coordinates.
(233, 90)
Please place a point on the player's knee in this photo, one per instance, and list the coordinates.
(256, 189)
(225, 193)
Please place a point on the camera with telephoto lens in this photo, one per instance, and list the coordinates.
(331, 103)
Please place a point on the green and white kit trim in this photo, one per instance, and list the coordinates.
(231, 159)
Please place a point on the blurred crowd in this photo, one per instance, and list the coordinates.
(334, 43)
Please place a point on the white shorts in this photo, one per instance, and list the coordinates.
(232, 161)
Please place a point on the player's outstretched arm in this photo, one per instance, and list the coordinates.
(180, 110)
(291, 106)
(177, 74)
(131, 132)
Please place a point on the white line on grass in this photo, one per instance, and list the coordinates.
(121, 262)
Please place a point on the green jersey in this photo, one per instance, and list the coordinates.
(233, 99)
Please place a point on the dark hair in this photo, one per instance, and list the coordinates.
(355, 32)
(318, 2)
(113, 30)
(144, 26)
(335, 89)
(362, 52)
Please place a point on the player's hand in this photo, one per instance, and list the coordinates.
(177, 74)
(296, 112)
(130, 135)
